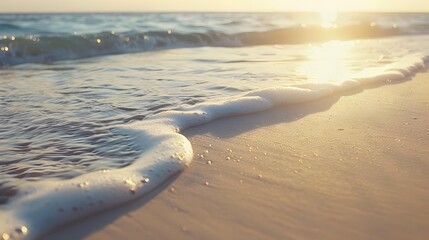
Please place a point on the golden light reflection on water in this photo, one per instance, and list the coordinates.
(328, 62)
(328, 19)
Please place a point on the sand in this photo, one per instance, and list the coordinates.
(350, 167)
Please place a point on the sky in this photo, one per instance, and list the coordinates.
(213, 5)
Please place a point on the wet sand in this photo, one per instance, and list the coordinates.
(351, 167)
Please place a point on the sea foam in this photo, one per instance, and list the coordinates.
(45, 205)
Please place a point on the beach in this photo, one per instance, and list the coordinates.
(343, 167)
(202, 125)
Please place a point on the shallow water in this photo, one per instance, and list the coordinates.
(61, 119)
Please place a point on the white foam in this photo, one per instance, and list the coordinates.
(42, 206)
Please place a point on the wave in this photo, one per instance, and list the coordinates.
(41, 206)
(46, 49)
(8, 27)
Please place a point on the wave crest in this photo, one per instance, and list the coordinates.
(45, 49)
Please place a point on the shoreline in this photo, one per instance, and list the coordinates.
(350, 167)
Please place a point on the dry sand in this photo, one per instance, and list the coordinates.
(351, 167)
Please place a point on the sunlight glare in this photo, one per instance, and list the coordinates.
(327, 62)
(328, 19)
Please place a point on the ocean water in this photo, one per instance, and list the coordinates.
(92, 105)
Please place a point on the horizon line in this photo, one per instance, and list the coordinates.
(163, 11)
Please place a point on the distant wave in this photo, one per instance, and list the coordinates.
(45, 49)
(7, 27)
